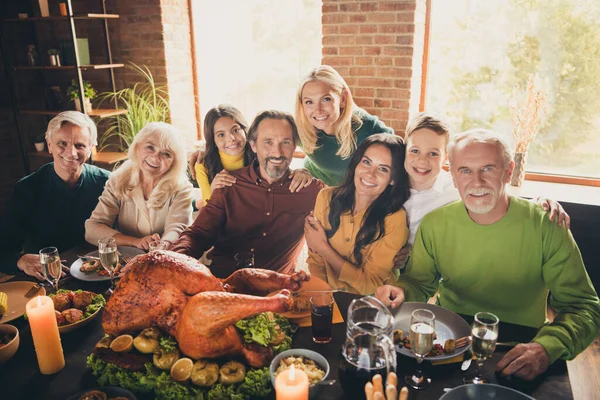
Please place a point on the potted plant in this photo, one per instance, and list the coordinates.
(88, 92)
(39, 141)
(54, 57)
(145, 102)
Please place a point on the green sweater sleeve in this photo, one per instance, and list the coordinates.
(421, 277)
(572, 296)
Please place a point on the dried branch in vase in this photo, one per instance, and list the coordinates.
(527, 116)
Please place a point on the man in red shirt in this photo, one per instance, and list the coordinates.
(257, 214)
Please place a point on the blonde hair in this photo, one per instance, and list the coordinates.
(426, 120)
(127, 176)
(343, 128)
(76, 118)
(478, 135)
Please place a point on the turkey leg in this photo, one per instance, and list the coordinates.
(209, 313)
(263, 281)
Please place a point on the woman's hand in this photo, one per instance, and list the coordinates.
(314, 233)
(144, 243)
(221, 180)
(301, 178)
(554, 208)
(195, 158)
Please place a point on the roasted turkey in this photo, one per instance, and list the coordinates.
(180, 295)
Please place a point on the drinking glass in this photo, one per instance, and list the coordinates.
(422, 329)
(321, 315)
(158, 245)
(51, 266)
(109, 257)
(484, 333)
(244, 260)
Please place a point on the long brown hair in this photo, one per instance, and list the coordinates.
(212, 159)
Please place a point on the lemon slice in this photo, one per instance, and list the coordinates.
(122, 344)
(182, 369)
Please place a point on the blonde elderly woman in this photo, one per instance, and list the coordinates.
(50, 206)
(148, 197)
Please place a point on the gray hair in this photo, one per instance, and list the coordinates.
(75, 118)
(479, 135)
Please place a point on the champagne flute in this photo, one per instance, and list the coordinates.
(51, 266)
(422, 328)
(484, 332)
(109, 258)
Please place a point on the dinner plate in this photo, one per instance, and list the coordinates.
(15, 293)
(484, 391)
(126, 251)
(448, 325)
(313, 284)
(111, 391)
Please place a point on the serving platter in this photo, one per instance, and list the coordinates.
(448, 325)
(75, 269)
(484, 391)
(15, 293)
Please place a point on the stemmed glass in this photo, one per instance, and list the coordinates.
(484, 333)
(51, 266)
(422, 329)
(109, 257)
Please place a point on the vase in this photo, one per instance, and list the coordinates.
(44, 10)
(55, 60)
(87, 104)
(518, 174)
(39, 146)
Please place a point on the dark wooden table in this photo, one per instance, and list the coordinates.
(20, 377)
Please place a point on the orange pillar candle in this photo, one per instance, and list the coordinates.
(44, 330)
(291, 384)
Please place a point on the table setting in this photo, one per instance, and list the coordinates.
(351, 322)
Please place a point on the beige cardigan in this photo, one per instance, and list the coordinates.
(132, 217)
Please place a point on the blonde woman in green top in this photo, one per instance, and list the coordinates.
(330, 125)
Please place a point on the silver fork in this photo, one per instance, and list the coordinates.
(296, 294)
(33, 291)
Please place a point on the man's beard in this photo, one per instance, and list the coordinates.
(276, 172)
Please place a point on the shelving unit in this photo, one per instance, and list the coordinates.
(104, 157)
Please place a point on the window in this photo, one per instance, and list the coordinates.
(252, 54)
(482, 53)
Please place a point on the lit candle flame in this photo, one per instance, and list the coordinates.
(292, 375)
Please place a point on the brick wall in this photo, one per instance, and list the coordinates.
(370, 43)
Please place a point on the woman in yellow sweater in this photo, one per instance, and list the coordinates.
(228, 150)
(358, 227)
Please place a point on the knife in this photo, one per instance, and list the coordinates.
(467, 360)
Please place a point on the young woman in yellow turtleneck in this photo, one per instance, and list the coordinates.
(228, 150)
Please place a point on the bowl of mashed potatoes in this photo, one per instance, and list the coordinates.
(311, 362)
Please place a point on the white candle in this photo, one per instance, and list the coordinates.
(291, 384)
(44, 330)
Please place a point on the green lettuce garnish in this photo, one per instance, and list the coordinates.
(262, 329)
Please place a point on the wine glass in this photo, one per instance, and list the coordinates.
(109, 257)
(51, 266)
(158, 245)
(484, 332)
(422, 328)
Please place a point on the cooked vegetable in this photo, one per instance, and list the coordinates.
(450, 345)
(397, 336)
(232, 372)
(147, 341)
(122, 344)
(313, 371)
(205, 373)
(164, 360)
(168, 344)
(182, 369)
(3, 303)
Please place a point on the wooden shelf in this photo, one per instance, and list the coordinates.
(52, 67)
(97, 112)
(65, 18)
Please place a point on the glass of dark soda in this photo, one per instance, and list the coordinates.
(321, 313)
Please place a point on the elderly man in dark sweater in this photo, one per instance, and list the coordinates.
(50, 206)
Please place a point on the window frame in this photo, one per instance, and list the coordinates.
(532, 176)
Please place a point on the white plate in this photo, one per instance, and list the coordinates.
(448, 325)
(125, 251)
(15, 293)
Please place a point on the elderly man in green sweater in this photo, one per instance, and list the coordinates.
(499, 253)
